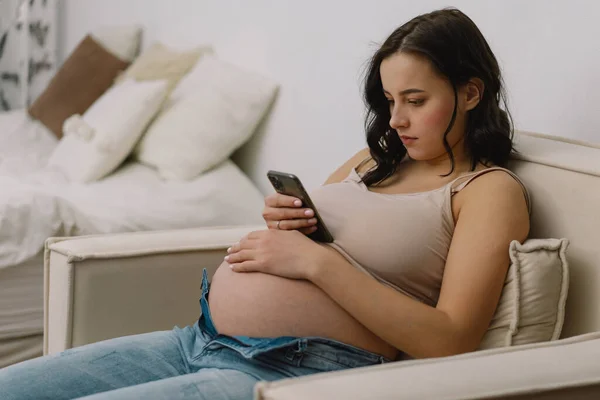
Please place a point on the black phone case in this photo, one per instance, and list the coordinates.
(290, 185)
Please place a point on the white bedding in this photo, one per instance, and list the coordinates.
(36, 202)
(25, 145)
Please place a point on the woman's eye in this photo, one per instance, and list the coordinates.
(415, 102)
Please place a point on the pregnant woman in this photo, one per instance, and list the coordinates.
(422, 221)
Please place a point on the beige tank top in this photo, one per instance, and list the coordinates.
(402, 240)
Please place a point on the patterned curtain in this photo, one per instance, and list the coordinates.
(28, 41)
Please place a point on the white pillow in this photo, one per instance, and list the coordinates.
(121, 40)
(97, 143)
(214, 110)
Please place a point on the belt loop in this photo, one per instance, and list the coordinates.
(302, 344)
(296, 352)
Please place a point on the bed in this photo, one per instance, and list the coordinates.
(37, 202)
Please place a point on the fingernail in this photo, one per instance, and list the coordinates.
(297, 203)
(226, 258)
(309, 213)
(229, 250)
(312, 221)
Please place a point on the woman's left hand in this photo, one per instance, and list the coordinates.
(288, 254)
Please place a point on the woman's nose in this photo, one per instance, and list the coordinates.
(398, 120)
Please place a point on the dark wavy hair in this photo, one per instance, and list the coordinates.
(459, 52)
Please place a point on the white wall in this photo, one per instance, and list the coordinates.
(317, 50)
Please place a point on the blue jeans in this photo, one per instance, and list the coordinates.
(195, 362)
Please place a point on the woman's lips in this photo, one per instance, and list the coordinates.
(407, 140)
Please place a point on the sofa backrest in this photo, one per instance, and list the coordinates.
(563, 178)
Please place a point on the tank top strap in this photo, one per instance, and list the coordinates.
(363, 162)
(354, 175)
(468, 178)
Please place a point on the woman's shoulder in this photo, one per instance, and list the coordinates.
(361, 160)
(492, 177)
(495, 202)
(492, 185)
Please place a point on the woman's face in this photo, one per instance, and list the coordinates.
(421, 104)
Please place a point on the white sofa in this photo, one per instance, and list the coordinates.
(106, 286)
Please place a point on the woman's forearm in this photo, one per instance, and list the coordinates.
(415, 328)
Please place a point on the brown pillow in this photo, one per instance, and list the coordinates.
(88, 72)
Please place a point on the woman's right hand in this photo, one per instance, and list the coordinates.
(286, 213)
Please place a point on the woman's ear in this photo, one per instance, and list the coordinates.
(474, 93)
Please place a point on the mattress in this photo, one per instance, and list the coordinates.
(20, 349)
(22, 299)
(21, 311)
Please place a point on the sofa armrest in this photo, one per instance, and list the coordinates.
(563, 369)
(105, 286)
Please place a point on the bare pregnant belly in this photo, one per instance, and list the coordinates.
(263, 305)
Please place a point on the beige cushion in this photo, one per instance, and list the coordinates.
(88, 72)
(160, 62)
(532, 305)
(121, 40)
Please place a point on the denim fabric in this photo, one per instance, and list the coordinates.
(195, 362)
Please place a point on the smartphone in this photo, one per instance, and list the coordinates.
(290, 185)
